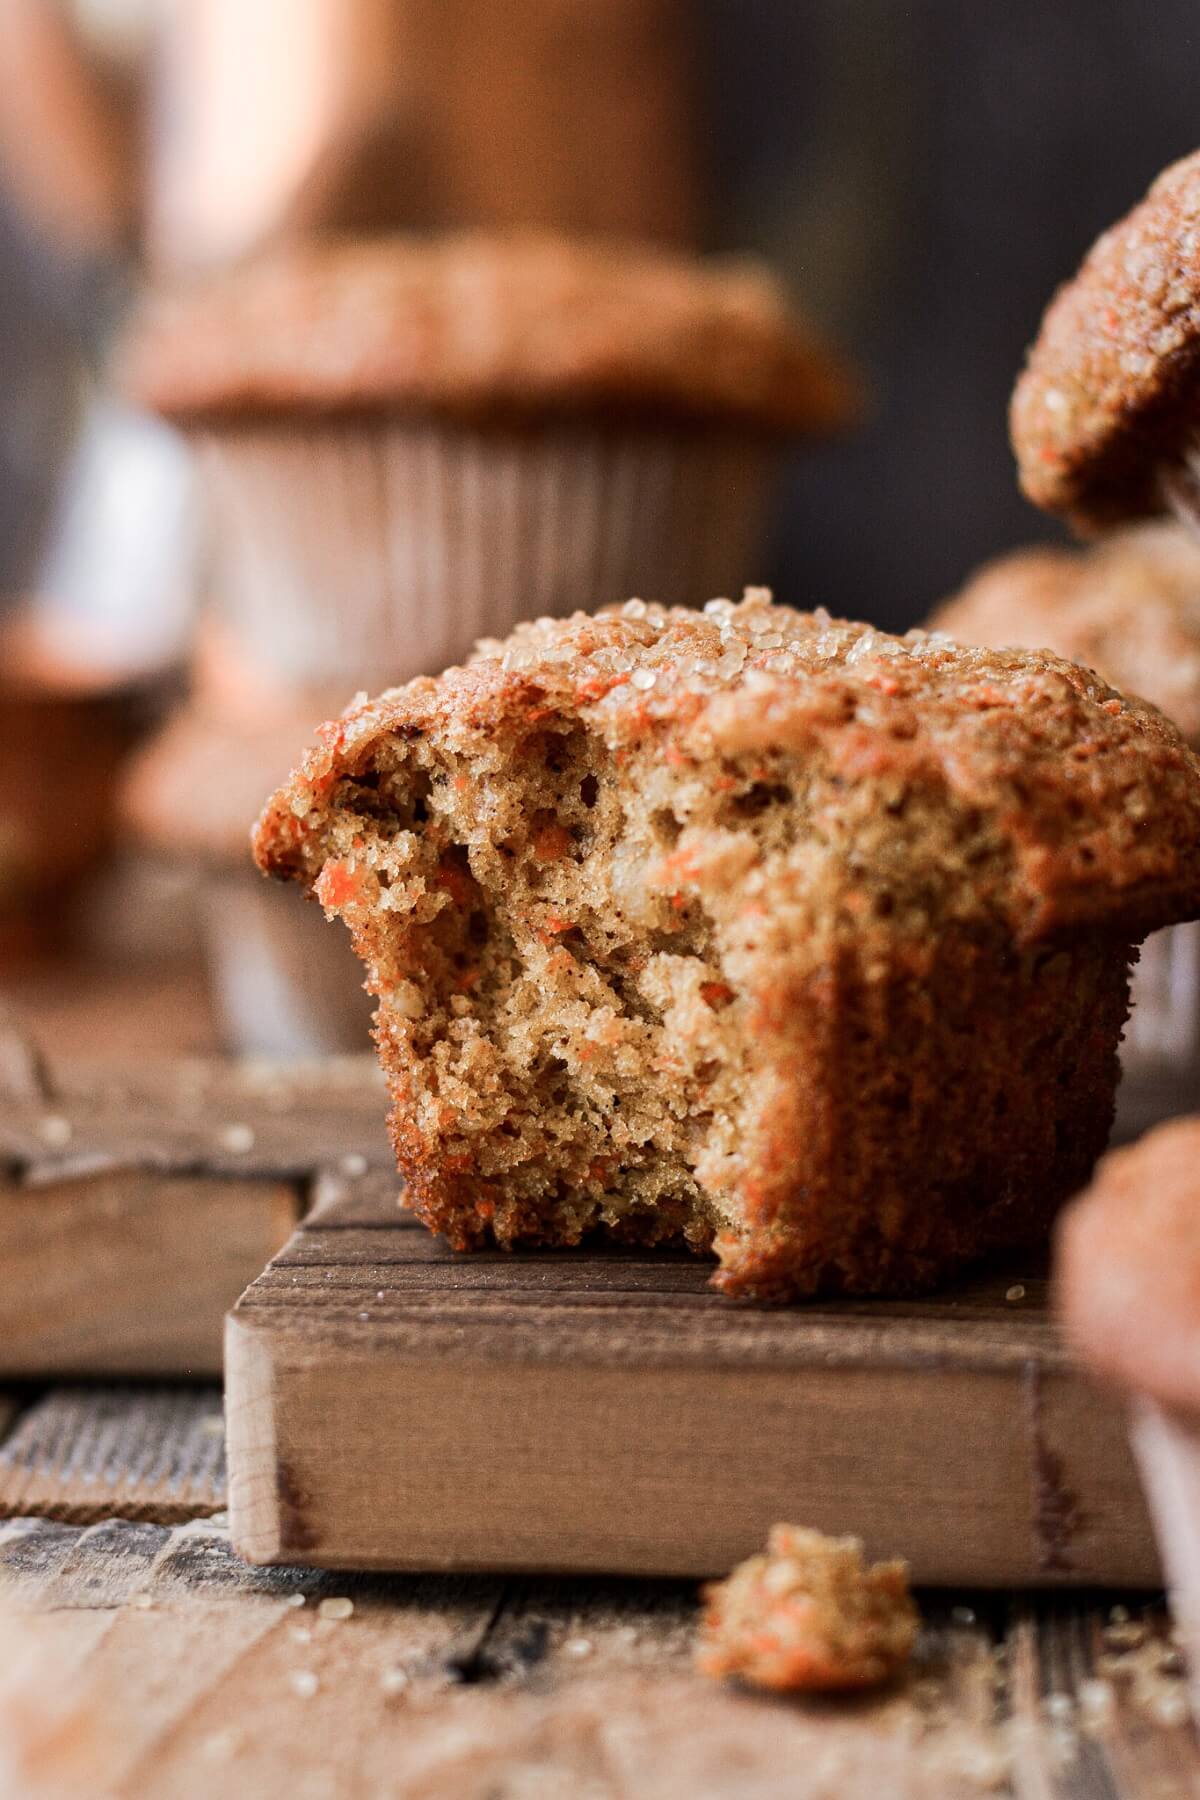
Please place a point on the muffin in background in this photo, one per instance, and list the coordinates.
(413, 443)
(284, 985)
(1129, 607)
(63, 738)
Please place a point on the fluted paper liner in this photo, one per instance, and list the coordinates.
(372, 552)
(1160, 1057)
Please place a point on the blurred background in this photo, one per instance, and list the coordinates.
(921, 174)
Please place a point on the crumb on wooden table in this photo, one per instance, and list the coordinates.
(809, 1615)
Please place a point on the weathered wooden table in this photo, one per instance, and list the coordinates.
(140, 1658)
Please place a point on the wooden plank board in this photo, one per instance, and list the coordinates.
(136, 1660)
(236, 1118)
(133, 1212)
(390, 1404)
(131, 1272)
(87, 1454)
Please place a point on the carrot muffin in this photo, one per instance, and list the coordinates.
(63, 739)
(1127, 1274)
(283, 984)
(1129, 608)
(1128, 1267)
(750, 929)
(1104, 417)
(414, 442)
(809, 1616)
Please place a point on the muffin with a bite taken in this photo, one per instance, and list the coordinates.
(751, 930)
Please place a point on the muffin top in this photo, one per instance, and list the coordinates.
(1107, 399)
(1129, 608)
(1128, 1266)
(486, 327)
(1005, 785)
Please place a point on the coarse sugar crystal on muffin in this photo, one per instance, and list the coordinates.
(1128, 607)
(749, 929)
(411, 442)
(1105, 418)
(811, 1615)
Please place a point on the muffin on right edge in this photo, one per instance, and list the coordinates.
(1129, 608)
(1127, 1285)
(1104, 418)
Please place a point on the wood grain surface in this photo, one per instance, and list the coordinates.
(152, 1661)
(392, 1405)
(83, 1454)
(141, 1656)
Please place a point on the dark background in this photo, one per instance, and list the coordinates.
(923, 173)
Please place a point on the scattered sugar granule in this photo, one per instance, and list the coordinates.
(55, 1130)
(303, 1683)
(354, 1163)
(237, 1139)
(1169, 1706)
(337, 1606)
(296, 1600)
(1096, 1701)
(578, 1647)
(393, 1681)
(1016, 1292)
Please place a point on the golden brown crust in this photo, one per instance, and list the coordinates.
(1108, 394)
(1128, 1266)
(748, 927)
(487, 328)
(809, 1616)
(1128, 607)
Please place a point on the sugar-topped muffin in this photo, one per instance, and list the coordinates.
(1127, 606)
(748, 929)
(412, 442)
(1104, 416)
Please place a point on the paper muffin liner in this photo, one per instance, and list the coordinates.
(373, 551)
(1167, 1448)
(1160, 1057)
(286, 981)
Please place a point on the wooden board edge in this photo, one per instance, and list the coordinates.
(103, 1238)
(257, 1488)
(342, 1456)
